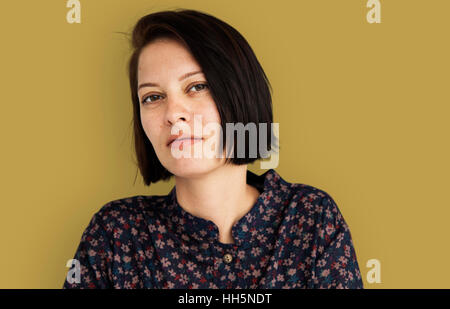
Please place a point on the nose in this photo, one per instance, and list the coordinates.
(175, 112)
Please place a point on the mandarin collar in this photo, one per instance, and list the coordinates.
(245, 230)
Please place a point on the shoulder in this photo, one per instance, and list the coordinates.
(315, 217)
(128, 212)
(316, 200)
(281, 186)
(309, 204)
(132, 204)
(318, 216)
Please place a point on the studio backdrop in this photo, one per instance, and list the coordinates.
(360, 93)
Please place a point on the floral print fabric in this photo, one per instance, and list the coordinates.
(293, 237)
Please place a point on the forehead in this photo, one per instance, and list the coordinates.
(165, 54)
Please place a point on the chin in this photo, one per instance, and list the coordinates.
(191, 168)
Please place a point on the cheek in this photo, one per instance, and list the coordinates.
(208, 120)
(211, 114)
(151, 128)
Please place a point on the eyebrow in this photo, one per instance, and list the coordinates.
(184, 76)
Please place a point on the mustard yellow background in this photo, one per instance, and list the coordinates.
(363, 112)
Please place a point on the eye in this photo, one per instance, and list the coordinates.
(199, 87)
(152, 97)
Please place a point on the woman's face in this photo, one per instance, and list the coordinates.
(170, 98)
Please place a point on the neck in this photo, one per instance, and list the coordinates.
(221, 196)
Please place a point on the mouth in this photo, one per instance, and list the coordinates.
(185, 140)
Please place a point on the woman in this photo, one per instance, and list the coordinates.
(221, 226)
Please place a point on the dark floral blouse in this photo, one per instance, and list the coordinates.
(293, 237)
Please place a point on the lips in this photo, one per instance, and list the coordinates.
(172, 139)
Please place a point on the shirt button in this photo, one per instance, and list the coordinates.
(227, 258)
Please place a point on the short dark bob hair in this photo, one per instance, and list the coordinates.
(236, 80)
